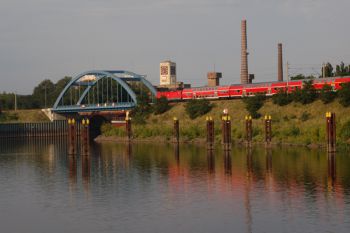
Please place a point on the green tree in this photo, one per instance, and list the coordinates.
(42, 93)
(282, 98)
(142, 110)
(298, 77)
(327, 95)
(344, 95)
(328, 70)
(195, 108)
(161, 105)
(253, 104)
(306, 95)
(342, 70)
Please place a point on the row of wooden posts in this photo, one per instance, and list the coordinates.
(226, 131)
(81, 129)
(227, 138)
(73, 136)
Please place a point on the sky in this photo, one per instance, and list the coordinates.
(50, 39)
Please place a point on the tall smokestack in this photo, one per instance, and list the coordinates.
(280, 63)
(244, 53)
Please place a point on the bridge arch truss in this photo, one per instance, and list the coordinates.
(103, 90)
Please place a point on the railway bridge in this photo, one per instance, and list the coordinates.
(102, 95)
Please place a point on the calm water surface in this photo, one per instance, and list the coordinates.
(159, 188)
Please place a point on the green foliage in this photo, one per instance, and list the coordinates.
(305, 116)
(110, 130)
(292, 131)
(161, 105)
(327, 95)
(301, 77)
(195, 108)
(306, 95)
(328, 70)
(342, 70)
(345, 131)
(253, 104)
(140, 113)
(282, 98)
(8, 117)
(344, 95)
(37, 98)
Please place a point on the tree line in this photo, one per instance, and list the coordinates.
(44, 96)
(327, 71)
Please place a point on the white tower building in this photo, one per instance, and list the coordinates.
(167, 73)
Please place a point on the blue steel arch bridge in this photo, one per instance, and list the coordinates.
(101, 91)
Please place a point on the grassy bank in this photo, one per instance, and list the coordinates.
(294, 123)
(20, 116)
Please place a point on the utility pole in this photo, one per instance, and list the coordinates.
(287, 76)
(15, 102)
(45, 96)
(323, 70)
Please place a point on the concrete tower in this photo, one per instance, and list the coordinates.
(244, 53)
(280, 63)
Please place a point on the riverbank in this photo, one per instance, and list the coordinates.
(23, 116)
(294, 124)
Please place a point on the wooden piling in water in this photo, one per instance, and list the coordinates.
(226, 132)
(249, 130)
(331, 132)
(128, 127)
(176, 132)
(268, 131)
(85, 136)
(72, 142)
(210, 133)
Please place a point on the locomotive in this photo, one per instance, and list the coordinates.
(246, 90)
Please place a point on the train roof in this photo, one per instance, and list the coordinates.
(267, 83)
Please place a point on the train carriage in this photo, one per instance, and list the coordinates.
(239, 90)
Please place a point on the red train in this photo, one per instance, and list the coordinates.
(240, 90)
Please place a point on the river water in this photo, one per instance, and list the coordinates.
(161, 188)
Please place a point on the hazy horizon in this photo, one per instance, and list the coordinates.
(50, 39)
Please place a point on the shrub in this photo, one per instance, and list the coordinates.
(306, 95)
(344, 95)
(142, 110)
(253, 104)
(305, 116)
(282, 98)
(292, 131)
(345, 131)
(161, 105)
(327, 95)
(195, 108)
(110, 130)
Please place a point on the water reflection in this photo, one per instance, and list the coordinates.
(211, 161)
(254, 185)
(85, 171)
(332, 169)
